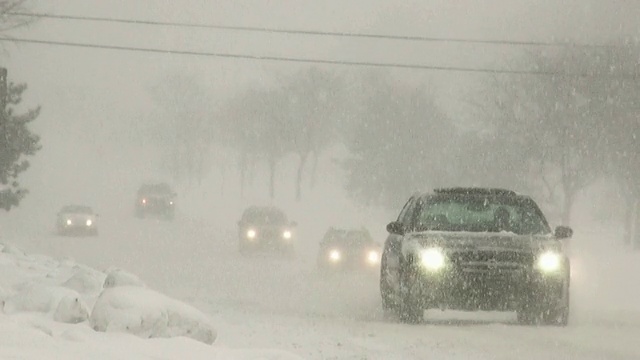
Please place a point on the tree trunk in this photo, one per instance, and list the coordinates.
(303, 162)
(569, 198)
(243, 172)
(272, 175)
(629, 219)
(223, 178)
(635, 224)
(314, 168)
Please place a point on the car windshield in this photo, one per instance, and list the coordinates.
(76, 209)
(265, 216)
(155, 189)
(353, 238)
(475, 213)
(357, 239)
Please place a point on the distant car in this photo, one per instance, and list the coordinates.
(265, 228)
(475, 249)
(155, 200)
(77, 220)
(348, 250)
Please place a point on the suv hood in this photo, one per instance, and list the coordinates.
(464, 241)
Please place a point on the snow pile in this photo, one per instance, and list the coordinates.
(148, 314)
(62, 304)
(114, 302)
(49, 310)
(119, 277)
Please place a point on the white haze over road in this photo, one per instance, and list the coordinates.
(265, 302)
(93, 101)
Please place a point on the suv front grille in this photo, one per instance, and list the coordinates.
(491, 260)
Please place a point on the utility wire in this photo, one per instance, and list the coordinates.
(306, 60)
(312, 32)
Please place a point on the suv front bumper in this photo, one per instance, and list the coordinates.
(488, 291)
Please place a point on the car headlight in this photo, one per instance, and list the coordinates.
(144, 201)
(549, 261)
(432, 259)
(334, 255)
(251, 234)
(89, 222)
(373, 257)
(287, 234)
(69, 222)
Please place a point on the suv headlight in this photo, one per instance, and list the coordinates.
(373, 257)
(251, 234)
(287, 234)
(432, 259)
(549, 261)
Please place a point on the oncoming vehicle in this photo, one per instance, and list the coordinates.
(76, 220)
(475, 249)
(265, 228)
(157, 200)
(348, 250)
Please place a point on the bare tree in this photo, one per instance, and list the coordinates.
(553, 123)
(185, 126)
(400, 142)
(314, 106)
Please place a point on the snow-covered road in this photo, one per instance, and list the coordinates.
(266, 302)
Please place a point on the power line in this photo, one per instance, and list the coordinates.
(288, 59)
(312, 32)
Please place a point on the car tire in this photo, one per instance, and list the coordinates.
(554, 314)
(388, 303)
(558, 315)
(411, 309)
(528, 316)
(244, 250)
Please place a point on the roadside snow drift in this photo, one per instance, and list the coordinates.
(149, 314)
(49, 310)
(115, 302)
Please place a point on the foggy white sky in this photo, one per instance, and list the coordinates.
(90, 97)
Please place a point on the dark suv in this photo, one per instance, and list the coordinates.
(265, 228)
(157, 200)
(353, 249)
(475, 249)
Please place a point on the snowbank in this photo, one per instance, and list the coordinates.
(60, 303)
(26, 338)
(149, 314)
(119, 277)
(44, 304)
(118, 301)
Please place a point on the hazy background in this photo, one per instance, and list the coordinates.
(97, 104)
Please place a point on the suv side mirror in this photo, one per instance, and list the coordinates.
(396, 228)
(294, 224)
(563, 232)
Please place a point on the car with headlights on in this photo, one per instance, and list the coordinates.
(265, 228)
(476, 249)
(354, 249)
(155, 200)
(77, 220)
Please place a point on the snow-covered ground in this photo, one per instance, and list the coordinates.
(263, 302)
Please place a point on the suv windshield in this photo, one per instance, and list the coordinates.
(480, 213)
(265, 216)
(76, 209)
(155, 189)
(357, 239)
